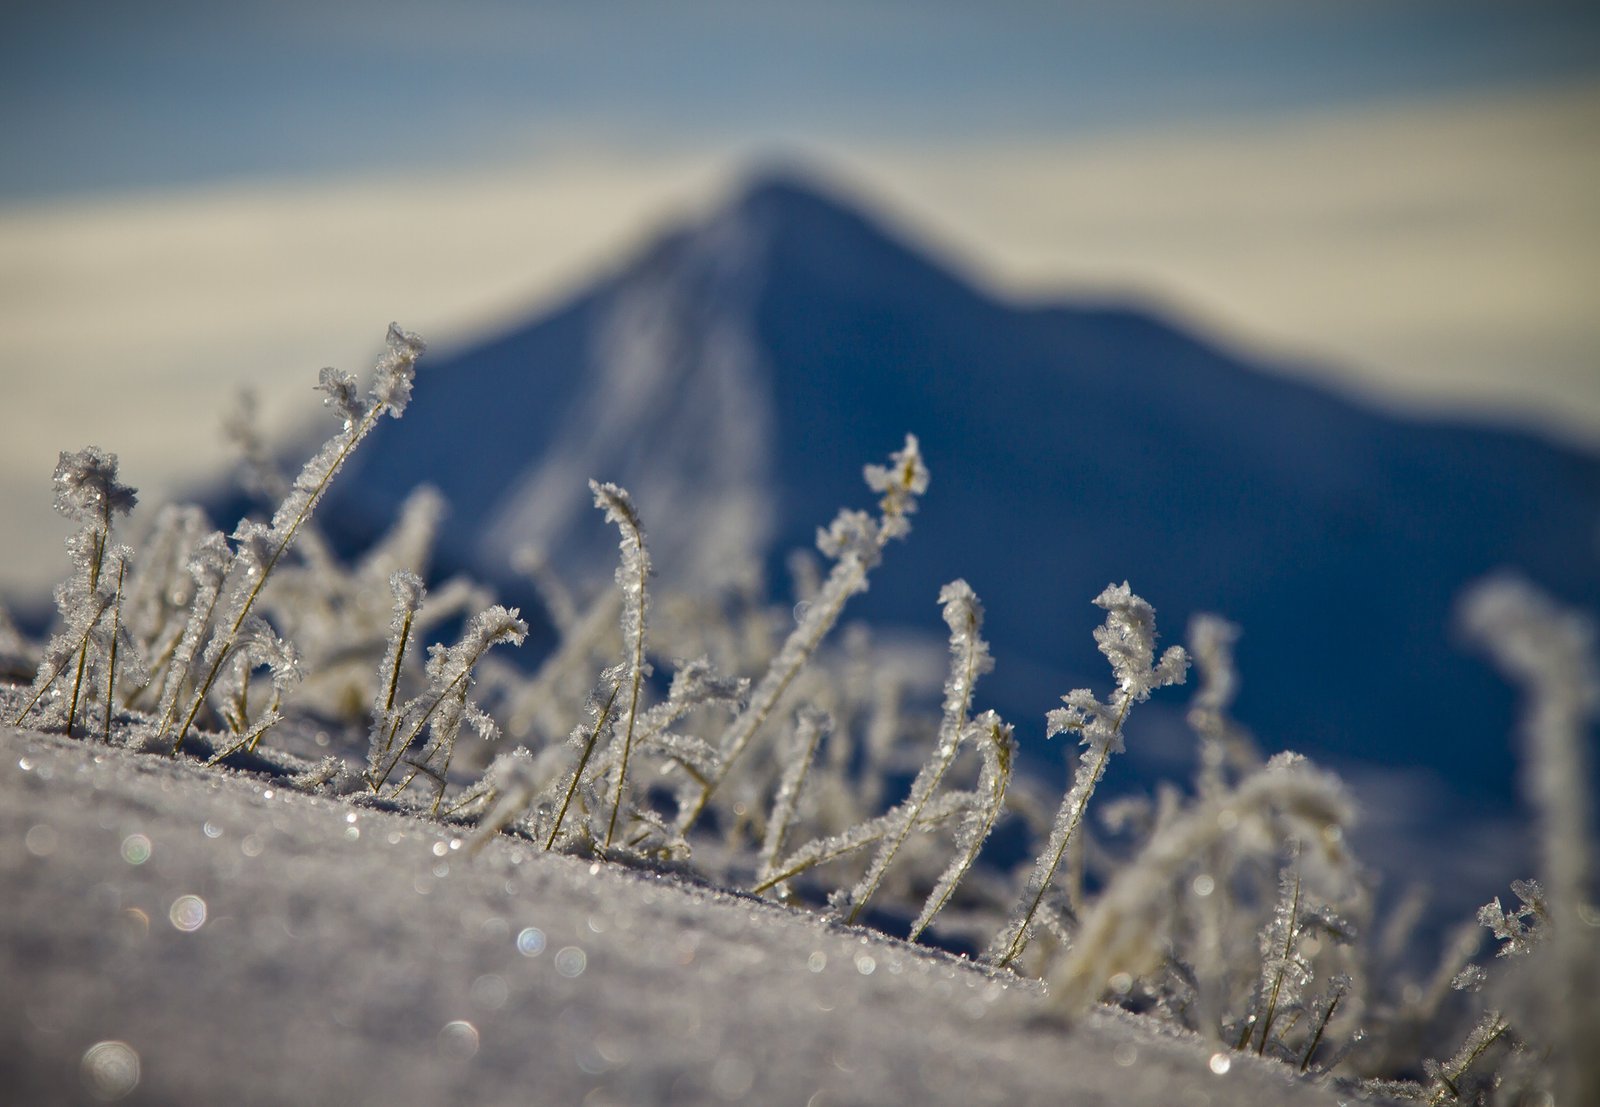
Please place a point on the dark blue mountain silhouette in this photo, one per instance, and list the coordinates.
(739, 372)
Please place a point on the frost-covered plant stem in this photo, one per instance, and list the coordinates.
(390, 393)
(632, 575)
(602, 716)
(810, 727)
(1279, 952)
(977, 824)
(1340, 988)
(408, 596)
(111, 663)
(970, 657)
(444, 706)
(1127, 639)
(97, 560)
(1014, 938)
(209, 567)
(1445, 1085)
(820, 851)
(857, 541)
(1552, 653)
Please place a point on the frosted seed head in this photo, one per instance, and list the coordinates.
(395, 371)
(902, 480)
(962, 610)
(491, 627)
(616, 503)
(1128, 640)
(341, 396)
(1173, 669)
(87, 487)
(408, 590)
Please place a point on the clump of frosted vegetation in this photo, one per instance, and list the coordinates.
(80, 662)
(747, 742)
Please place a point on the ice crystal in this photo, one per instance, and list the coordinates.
(1519, 930)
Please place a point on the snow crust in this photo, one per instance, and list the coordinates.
(179, 935)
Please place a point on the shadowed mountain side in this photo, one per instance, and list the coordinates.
(738, 374)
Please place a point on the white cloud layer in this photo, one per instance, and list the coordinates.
(1441, 255)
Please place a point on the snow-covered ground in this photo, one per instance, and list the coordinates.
(178, 935)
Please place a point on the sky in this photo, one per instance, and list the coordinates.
(1397, 197)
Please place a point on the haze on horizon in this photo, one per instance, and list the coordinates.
(1396, 197)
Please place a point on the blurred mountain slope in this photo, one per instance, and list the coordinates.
(737, 374)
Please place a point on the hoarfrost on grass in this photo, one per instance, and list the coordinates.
(1235, 913)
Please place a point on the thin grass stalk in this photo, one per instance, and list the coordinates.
(633, 579)
(997, 775)
(1291, 932)
(858, 837)
(583, 762)
(964, 615)
(95, 563)
(111, 665)
(810, 728)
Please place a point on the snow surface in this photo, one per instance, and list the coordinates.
(237, 941)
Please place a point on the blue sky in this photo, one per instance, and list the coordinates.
(97, 96)
(1396, 196)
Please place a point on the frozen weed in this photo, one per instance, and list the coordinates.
(1128, 641)
(856, 542)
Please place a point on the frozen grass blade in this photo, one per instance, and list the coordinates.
(1552, 653)
(811, 726)
(998, 750)
(586, 736)
(820, 851)
(444, 706)
(408, 596)
(969, 659)
(632, 577)
(1128, 641)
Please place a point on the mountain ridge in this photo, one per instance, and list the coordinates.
(737, 373)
